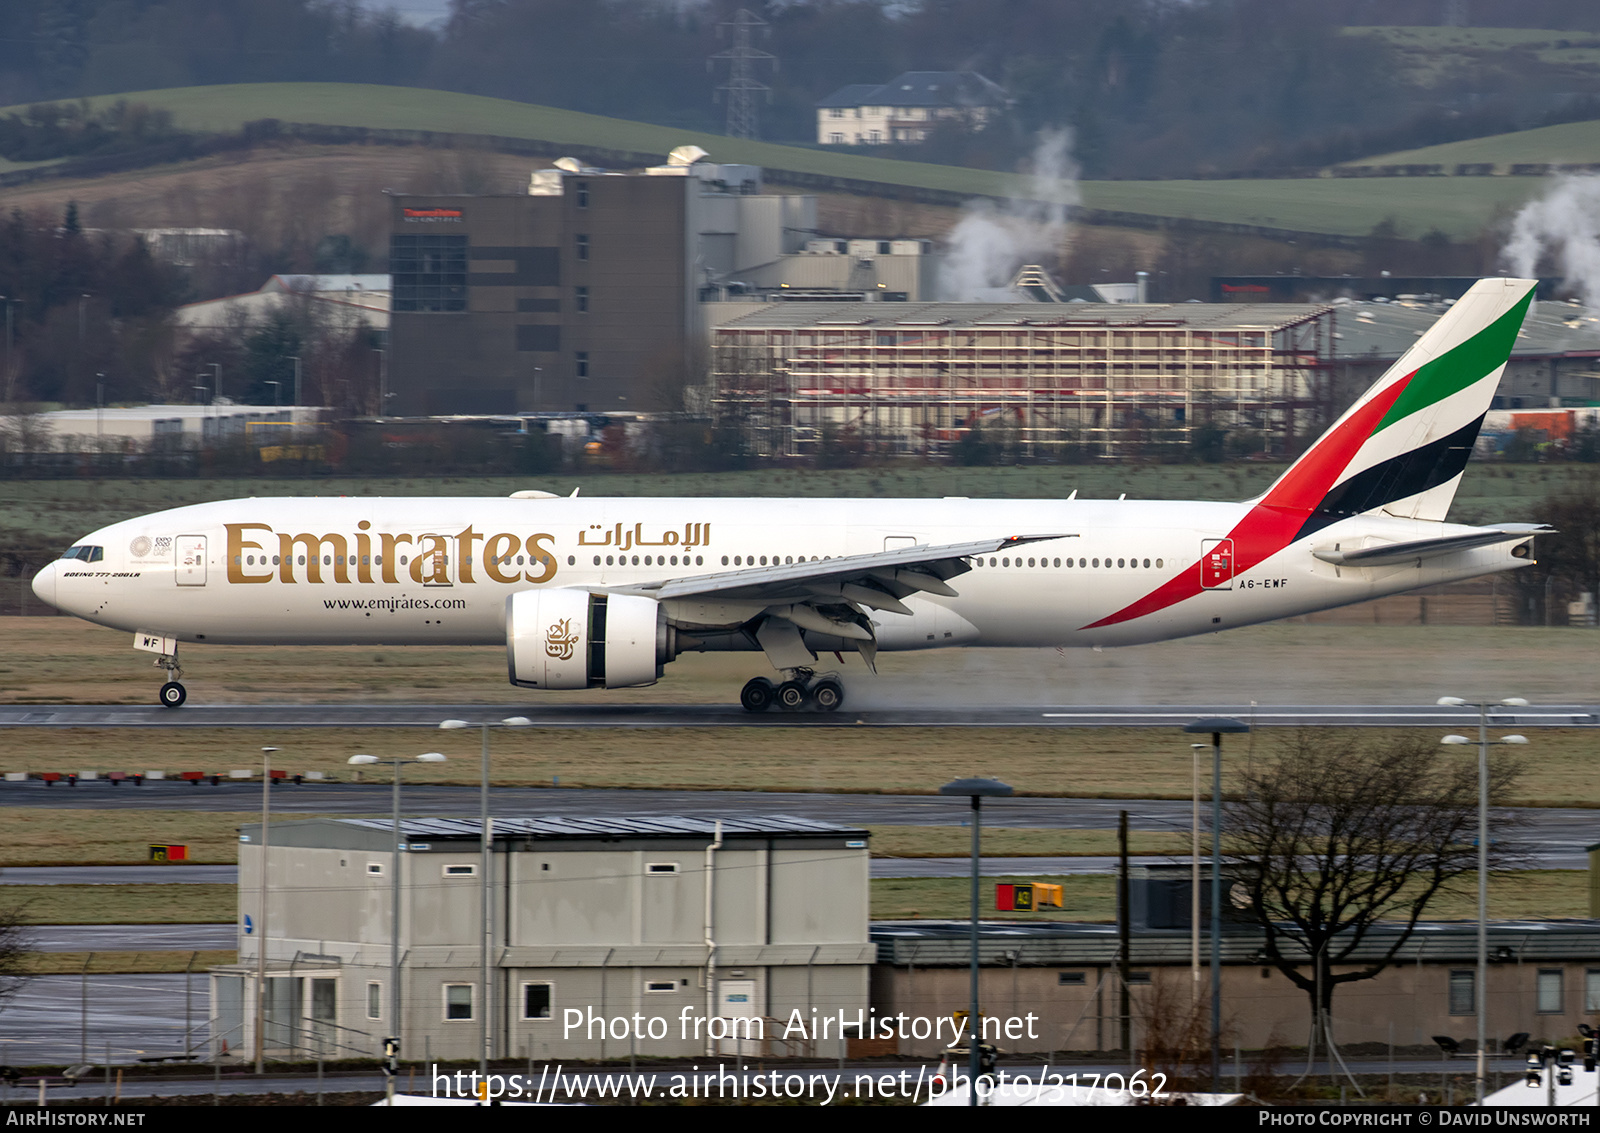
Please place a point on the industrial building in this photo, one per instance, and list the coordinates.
(1555, 362)
(1075, 380)
(594, 291)
(674, 919)
(333, 301)
(582, 294)
(1544, 978)
(147, 428)
(1058, 379)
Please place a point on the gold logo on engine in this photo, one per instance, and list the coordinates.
(560, 639)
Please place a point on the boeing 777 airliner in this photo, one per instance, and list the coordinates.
(589, 593)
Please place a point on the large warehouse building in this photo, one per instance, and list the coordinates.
(1057, 379)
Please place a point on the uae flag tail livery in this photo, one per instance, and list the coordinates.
(1396, 454)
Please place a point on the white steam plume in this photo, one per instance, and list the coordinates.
(990, 242)
(1565, 221)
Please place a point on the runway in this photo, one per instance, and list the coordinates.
(132, 937)
(716, 716)
(1554, 837)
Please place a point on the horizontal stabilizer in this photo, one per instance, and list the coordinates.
(1417, 549)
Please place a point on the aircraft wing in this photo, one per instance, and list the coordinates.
(827, 596)
(1393, 554)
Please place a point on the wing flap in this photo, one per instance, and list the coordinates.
(900, 572)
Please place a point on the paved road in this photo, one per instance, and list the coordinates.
(1557, 836)
(131, 937)
(120, 875)
(132, 1016)
(710, 716)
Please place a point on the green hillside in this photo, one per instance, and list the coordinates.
(1570, 142)
(1458, 206)
(222, 108)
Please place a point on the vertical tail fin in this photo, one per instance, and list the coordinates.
(1402, 446)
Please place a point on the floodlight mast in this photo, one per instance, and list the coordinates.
(1481, 991)
(486, 846)
(395, 847)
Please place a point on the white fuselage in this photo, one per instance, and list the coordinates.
(438, 571)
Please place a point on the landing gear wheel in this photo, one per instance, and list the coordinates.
(827, 695)
(792, 696)
(756, 696)
(173, 695)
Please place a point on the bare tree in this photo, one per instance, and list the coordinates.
(1337, 834)
(16, 950)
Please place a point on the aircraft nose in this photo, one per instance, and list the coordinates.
(44, 584)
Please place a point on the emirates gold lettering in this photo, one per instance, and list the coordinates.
(239, 546)
(431, 558)
(364, 552)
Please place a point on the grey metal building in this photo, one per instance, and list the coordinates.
(582, 294)
(1544, 978)
(1060, 379)
(655, 927)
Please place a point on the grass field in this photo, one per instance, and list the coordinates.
(1567, 143)
(1005, 842)
(1061, 762)
(125, 904)
(1460, 208)
(123, 837)
(129, 963)
(1518, 895)
(119, 837)
(221, 108)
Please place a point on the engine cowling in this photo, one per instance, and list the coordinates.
(565, 639)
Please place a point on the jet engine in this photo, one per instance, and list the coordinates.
(562, 639)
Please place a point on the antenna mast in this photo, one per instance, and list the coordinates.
(742, 87)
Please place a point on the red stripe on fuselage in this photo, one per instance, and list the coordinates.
(1269, 526)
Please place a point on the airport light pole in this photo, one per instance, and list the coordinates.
(975, 789)
(1481, 1006)
(1216, 726)
(486, 844)
(261, 912)
(394, 893)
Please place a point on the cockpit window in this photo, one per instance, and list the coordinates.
(84, 552)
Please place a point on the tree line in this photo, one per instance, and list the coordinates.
(89, 317)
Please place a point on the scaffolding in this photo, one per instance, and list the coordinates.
(1119, 382)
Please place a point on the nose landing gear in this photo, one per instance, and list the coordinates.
(172, 694)
(801, 690)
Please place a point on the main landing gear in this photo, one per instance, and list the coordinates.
(800, 690)
(172, 694)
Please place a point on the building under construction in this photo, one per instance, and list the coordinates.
(1051, 381)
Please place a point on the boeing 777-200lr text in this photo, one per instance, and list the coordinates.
(590, 593)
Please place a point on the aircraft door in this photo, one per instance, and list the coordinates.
(189, 560)
(1216, 564)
